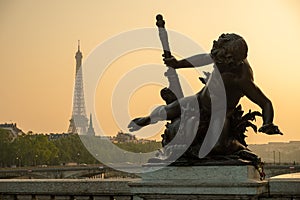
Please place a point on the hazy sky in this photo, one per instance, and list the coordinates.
(38, 41)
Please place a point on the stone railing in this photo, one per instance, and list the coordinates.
(280, 187)
(65, 189)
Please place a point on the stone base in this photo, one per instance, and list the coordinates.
(197, 182)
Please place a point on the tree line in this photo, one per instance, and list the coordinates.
(38, 149)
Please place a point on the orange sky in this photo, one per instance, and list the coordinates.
(39, 40)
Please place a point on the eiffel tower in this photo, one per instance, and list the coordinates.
(79, 121)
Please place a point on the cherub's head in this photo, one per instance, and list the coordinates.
(230, 49)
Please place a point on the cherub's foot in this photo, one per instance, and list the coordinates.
(270, 129)
(138, 123)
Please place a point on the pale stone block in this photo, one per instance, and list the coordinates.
(204, 173)
(194, 182)
(287, 184)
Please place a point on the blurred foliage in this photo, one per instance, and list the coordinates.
(140, 147)
(38, 149)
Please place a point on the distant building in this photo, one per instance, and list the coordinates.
(144, 141)
(278, 152)
(56, 136)
(124, 137)
(295, 142)
(12, 127)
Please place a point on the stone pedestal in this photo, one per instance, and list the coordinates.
(200, 182)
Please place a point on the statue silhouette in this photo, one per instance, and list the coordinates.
(229, 56)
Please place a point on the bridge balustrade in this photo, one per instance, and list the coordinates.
(71, 189)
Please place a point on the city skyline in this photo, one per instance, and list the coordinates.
(39, 40)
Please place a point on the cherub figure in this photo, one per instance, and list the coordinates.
(229, 55)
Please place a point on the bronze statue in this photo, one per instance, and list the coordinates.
(229, 55)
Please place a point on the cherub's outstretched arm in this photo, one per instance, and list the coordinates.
(258, 97)
(161, 113)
